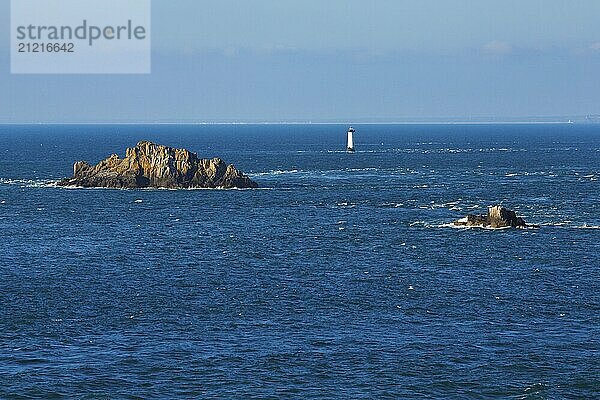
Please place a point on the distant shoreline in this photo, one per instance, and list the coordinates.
(304, 123)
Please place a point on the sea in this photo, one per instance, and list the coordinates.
(341, 277)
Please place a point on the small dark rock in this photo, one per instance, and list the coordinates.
(497, 217)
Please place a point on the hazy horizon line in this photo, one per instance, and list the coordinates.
(458, 122)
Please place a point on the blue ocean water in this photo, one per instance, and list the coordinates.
(339, 278)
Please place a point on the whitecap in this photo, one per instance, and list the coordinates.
(478, 227)
(392, 205)
(450, 225)
(29, 183)
(362, 169)
(489, 228)
(585, 226)
(276, 172)
(433, 225)
(561, 223)
(418, 223)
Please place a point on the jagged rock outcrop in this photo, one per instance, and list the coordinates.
(497, 217)
(152, 165)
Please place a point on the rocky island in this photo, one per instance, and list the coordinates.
(149, 165)
(497, 217)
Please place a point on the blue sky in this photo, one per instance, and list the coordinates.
(335, 60)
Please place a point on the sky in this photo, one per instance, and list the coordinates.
(335, 61)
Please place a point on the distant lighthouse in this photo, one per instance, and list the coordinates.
(350, 147)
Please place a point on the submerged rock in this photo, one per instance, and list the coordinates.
(497, 217)
(152, 165)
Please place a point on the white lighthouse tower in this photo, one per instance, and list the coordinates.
(350, 147)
